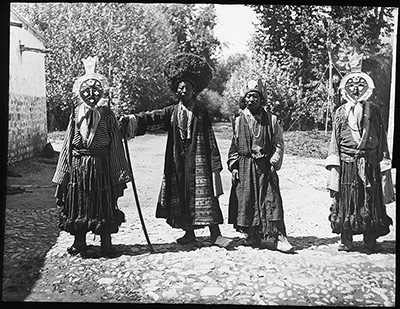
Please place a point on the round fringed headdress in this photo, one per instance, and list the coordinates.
(90, 64)
(356, 78)
(189, 67)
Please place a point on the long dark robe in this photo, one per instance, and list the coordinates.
(186, 197)
(91, 178)
(255, 201)
(358, 208)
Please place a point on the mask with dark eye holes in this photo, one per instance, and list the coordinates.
(91, 91)
(356, 87)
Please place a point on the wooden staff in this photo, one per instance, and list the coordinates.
(135, 192)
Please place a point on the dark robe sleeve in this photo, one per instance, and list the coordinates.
(155, 117)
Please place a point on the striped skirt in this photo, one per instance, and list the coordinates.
(88, 201)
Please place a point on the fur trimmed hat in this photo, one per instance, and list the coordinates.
(189, 67)
(252, 85)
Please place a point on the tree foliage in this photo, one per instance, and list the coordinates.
(132, 41)
(300, 36)
(280, 92)
(193, 27)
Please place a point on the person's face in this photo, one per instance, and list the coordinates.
(91, 92)
(185, 90)
(253, 101)
(356, 87)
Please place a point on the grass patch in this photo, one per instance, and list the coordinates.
(310, 144)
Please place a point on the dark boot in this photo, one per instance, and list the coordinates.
(371, 244)
(107, 249)
(253, 237)
(187, 238)
(346, 241)
(79, 244)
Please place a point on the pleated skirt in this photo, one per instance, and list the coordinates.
(88, 202)
(358, 208)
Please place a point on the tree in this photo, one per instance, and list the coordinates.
(131, 44)
(302, 34)
(282, 94)
(193, 29)
(213, 102)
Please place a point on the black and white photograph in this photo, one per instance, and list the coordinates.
(200, 154)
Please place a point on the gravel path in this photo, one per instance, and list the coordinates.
(38, 268)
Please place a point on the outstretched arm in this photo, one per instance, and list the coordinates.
(137, 124)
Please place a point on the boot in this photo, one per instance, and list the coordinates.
(346, 241)
(107, 249)
(253, 237)
(371, 244)
(79, 244)
(187, 238)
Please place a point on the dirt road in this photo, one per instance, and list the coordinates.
(37, 267)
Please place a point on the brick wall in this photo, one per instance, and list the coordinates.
(27, 129)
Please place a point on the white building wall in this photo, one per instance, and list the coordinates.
(27, 133)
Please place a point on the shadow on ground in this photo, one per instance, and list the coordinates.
(304, 242)
(299, 243)
(30, 229)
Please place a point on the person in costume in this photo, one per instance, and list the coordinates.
(92, 170)
(357, 149)
(255, 156)
(191, 182)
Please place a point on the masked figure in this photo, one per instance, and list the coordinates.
(357, 150)
(92, 171)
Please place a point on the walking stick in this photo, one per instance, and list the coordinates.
(135, 193)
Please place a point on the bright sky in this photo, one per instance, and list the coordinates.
(234, 26)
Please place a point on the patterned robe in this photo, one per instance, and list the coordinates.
(91, 176)
(355, 180)
(187, 198)
(255, 201)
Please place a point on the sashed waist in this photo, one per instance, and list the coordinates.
(351, 157)
(95, 152)
(253, 155)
